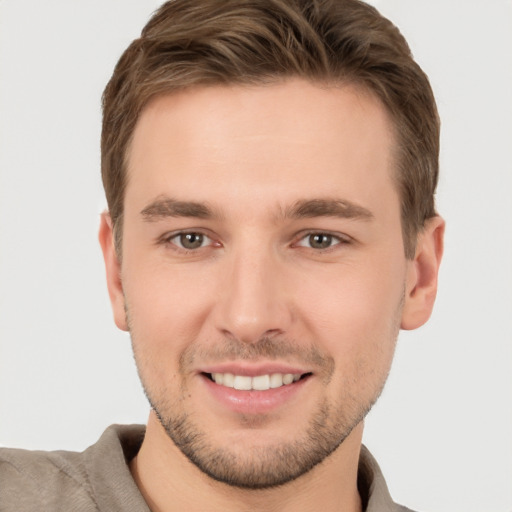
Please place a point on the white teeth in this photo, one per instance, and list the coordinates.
(259, 383)
(228, 379)
(243, 382)
(287, 378)
(276, 380)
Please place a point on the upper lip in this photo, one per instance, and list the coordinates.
(253, 369)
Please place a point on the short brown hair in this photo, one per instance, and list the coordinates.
(211, 42)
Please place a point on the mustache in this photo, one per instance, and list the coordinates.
(271, 348)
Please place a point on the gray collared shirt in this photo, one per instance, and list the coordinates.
(99, 479)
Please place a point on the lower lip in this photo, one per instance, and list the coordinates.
(255, 402)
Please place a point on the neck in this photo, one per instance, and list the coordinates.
(169, 482)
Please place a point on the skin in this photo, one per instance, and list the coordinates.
(259, 290)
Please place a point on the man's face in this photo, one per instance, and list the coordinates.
(261, 245)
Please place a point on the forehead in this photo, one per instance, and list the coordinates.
(276, 141)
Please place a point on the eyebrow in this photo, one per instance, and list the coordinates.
(164, 207)
(327, 208)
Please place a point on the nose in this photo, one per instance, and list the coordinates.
(254, 301)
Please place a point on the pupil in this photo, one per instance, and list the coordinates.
(191, 240)
(320, 241)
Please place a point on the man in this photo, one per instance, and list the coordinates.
(270, 169)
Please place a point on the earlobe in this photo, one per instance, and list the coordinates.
(113, 271)
(421, 283)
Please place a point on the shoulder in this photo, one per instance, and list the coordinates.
(372, 486)
(95, 479)
(34, 479)
(401, 508)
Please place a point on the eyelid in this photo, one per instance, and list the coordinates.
(340, 238)
(167, 238)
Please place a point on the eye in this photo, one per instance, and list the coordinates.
(320, 241)
(190, 241)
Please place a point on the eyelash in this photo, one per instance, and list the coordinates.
(338, 239)
(168, 240)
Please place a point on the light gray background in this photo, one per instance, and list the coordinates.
(442, 430)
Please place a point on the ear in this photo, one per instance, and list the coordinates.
(421, 284)
(113, 270)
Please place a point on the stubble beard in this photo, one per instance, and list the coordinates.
(259, 467)
(262, 466)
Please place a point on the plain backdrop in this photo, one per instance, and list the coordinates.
(442, 429)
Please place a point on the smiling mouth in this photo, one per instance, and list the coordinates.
(256, 383)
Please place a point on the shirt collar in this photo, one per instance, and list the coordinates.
(116, 491)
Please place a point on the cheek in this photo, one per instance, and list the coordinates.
(167, 306)
(358, 328)
(355, 314)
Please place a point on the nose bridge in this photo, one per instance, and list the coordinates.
(252, 303)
